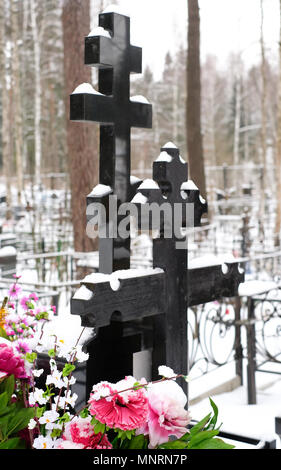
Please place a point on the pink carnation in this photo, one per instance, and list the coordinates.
(79, 434)
(127, 410)
(167, 415)
(10, 363)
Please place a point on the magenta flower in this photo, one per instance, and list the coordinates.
(127, 410)
(11, 363)
(167, 415)
(54, 308)
(9, 331)
(34, 297)
(11, 305)
(25, 303)
(14, 291)
(22, 347)
(15, 276)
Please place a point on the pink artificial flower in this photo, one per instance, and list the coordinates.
(14, 291)
(25, 303)
(22, 347)
(127, 410)
(34, 297)
(10, 363)
(167, 415)
(79, 434)
(9, 331)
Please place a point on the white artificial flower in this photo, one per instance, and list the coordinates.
(55, 378)
(64, 349)
(46, 342)
(68, 381)
(80, 355)
(70, 400)
(38, 372)
(59, 402)
(48, 418)
(42, 442)
(32, 423)
(101, 390)
(166, 372)
(37, 397)
(53, 364)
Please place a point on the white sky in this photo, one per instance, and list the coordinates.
(226, 26)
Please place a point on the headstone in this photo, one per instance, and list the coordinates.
(135, 309)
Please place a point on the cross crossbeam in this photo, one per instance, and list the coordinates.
(96, 301)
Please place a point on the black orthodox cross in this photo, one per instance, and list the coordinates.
(116, 59)
(133, 310)
(157, 298)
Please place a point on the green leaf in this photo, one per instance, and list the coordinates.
(20, 420)
(40, 411)
(177, 444)
(31, 357)
(4, 420)
(201, 436)
(10, 386)
(14, 443)
(213, 421)
(84, 413)
(99, 427)
(3, 334)
(4, 399)
(138, 442)
(115, 443)
(56, 433)
(199, 426)
(213, 444)
(68, 369)
(9, 410)
(94, 421)
(52, 353)
(64, 419)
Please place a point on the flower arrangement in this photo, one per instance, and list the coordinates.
(129, 414)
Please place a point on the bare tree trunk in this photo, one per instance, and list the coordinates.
(237, 121)
(193, 115)
(81, 137)
(5, 85)
(263, 125)
(17, 98)
(37, 92)
(278, 151)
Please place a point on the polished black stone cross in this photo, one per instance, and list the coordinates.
(116, 59)
(135, 310)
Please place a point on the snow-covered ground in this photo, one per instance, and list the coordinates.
(254, 421)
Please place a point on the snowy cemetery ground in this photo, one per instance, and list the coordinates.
(255, 420)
